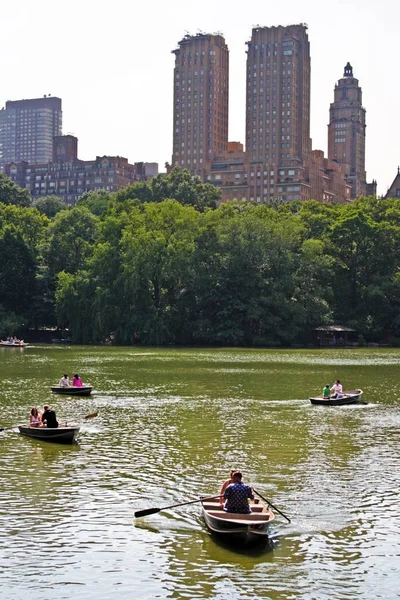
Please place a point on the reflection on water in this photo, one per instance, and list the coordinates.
(170, 425)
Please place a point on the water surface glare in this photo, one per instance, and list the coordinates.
(171, 423)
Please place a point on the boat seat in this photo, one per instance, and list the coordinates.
(255, 508)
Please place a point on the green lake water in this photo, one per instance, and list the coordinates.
(171, 424)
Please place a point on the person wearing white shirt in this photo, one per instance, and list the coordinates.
(337, 389)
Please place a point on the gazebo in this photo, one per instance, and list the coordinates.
(334, 335)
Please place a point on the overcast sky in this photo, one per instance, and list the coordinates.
(111, 64)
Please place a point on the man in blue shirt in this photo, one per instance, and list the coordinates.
(237, 495)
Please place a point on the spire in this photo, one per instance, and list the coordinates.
(348, 70)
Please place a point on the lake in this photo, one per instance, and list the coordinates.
(171, 424)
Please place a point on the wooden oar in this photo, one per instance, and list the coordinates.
(91, 415)
(8, 428)
(152, 511)
(270, 504)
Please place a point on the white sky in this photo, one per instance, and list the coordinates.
(111, 64)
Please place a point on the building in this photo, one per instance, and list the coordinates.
(200, 113)
(27, 130)
(278, 95)
(68, 177)
(394, 190)
(346, 131)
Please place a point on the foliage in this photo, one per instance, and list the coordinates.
(49, 205)
(10, 193)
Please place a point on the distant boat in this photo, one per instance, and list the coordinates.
(349, 397)
(6, 344)
(84, 390)
(238, 528)
(60, 341)
(60, 435)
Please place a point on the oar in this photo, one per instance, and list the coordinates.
(91, 415)
(270, 504)
(152, 511)
(8, 428)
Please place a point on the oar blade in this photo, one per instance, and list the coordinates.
(147, 511)
(91, 415)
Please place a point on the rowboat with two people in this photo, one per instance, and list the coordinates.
(78, 388)
(347, 397)
(13, 343)
(60, 435)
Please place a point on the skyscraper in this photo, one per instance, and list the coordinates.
(27, 129)
(346, 131)
(201, 82)
(278, 109)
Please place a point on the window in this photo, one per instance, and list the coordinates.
(287, 52)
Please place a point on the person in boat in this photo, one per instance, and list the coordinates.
(77, 381)
(237, 495)
(326, 392)
(337, 389)
(49, 417)
(225, 485)
(64, 381)
(35, 418)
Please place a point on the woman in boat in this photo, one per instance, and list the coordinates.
(237, 495)
(77, 381)
(225, 485)
(337, 389)
(35, 418)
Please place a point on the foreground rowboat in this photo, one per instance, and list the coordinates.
(85, 390)
(13, 345)
(61, 435)
(350, 397)
(243, 529)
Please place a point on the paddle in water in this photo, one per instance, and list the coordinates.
(272, 506)
(152, 511)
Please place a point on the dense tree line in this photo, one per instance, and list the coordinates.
(160, 263)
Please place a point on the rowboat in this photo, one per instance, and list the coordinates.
(349, 397)
(238, 528)
(4, 344)
(61, 435)
(84, 390)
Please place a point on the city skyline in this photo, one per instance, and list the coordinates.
(118, 104)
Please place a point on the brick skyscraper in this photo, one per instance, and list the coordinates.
(346, 131)
(201, 88)
(27, 129)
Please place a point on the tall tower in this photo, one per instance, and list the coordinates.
(27, 129)
(346, 131)
(201, 88)
(278, 95)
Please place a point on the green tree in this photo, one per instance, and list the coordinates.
(178, 185)
(10, 193)
(49, 205)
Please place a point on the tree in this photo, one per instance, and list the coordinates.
(96, 201)
(49, 205)
(178, 185)
(10, 193)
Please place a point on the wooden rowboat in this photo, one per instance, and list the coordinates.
(349, 397)
(238, 528)
(61, 435)
(84, 390)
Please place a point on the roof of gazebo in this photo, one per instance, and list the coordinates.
(334, 328)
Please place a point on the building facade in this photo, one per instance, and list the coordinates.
(68, 177)
(27, 130)
(200, 112)
(346, 131)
